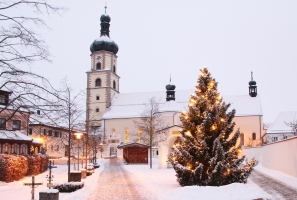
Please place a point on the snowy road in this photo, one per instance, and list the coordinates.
(118, 184)
(277, 189)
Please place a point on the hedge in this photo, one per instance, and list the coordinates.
(15, 167)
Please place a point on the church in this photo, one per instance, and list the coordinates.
(115, 113)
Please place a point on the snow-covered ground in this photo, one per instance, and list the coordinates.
(161, 183)
(16, 191)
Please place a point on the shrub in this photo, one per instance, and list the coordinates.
(68, 187)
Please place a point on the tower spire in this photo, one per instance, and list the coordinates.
(170, 78)
(105, 6)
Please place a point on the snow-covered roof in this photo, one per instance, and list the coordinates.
(130, 105)
(104, 38)
(132, 144)
(13, 135)
(279, 126)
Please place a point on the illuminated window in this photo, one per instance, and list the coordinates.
(254, 136)
(126, 135)
(15, 149)
(139, 134)
(98, 82)
(24, 149)
(113, 131)
(241, 139)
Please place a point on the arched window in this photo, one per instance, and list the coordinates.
(113, 131)
(114, 69)
(97, 109)
(6, 148)
(98, 66)
(114, 85)
(98, 97)
(98, 82)
(139, 135)
(126, 135)
(241, 139)
(15, 149)
(254, 136)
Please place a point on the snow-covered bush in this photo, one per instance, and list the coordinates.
(15, 167)
(68, 187)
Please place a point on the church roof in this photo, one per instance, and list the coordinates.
(280, 126)
(130, 105)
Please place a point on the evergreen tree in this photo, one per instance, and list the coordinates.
(207, 154)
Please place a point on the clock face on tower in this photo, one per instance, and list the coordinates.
(98, 57)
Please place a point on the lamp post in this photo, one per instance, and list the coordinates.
(78, 137)
(101, 144)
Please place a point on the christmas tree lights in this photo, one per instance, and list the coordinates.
(207, 154)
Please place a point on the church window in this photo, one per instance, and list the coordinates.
(126, 135)
(241, 139)
(97, 109)
(114, 69)
(113, 131)
(254, 136)
(114, 85)
(98, 82)
(98, 66)
(98, 97)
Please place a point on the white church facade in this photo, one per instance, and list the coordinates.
(115, 113)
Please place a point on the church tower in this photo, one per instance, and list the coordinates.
(102, 79)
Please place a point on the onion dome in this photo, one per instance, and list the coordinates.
(104, 43)
(252, 87)
(170, 93)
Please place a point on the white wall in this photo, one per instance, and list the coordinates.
(280, 156)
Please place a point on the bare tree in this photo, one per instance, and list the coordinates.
(293, 125)
(150, 122)
(21, 45)
(69, 115)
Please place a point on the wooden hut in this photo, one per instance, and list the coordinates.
(134, 152)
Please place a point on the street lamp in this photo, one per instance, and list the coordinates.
(78, 137)
(101, 144)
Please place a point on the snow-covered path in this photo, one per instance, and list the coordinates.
(117, 183)
(277, 189)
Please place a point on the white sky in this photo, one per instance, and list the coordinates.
(156, 38)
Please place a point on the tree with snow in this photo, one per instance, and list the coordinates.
(207, 154)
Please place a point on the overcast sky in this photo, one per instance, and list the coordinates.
(156, 38)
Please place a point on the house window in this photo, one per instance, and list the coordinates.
(15, 149)
(24, 149)
(2, 100)
(60, 134)
(157, 152)
(285, 137)
(241, 139)
(2, 123)
(114, 85)
(30, 131)
(98, 66)
(44, 131)
(97, 97)
(274, 139)
(254, 136)
(126, 135)
(6, 148)
(97, 109)
(50, 133)
(16, 124)
(98, 82)
(56, 134)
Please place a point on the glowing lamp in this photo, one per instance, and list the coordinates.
(78, 135)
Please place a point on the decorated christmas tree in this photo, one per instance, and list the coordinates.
(207, 152)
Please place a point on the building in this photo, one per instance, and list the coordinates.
(14, 128)
(117, 112)
(280, 130)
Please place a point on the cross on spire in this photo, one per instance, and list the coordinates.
(252, 75)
